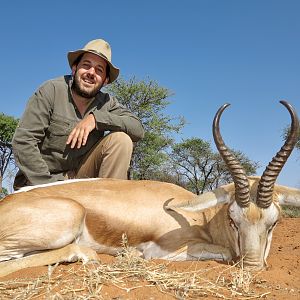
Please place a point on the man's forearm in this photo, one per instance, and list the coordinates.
(106, 121)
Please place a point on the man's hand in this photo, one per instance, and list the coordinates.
(80, 133)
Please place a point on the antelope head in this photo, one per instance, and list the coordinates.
(254, 209)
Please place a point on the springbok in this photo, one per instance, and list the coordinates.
(77, 219)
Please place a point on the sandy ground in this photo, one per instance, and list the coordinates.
(280, 281)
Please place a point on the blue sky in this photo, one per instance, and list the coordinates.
(207, 52)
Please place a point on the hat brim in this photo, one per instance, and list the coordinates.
(113, 71)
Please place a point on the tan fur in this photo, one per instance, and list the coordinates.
(253, 213)
(161, 219)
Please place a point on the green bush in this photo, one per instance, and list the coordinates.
(291, 211)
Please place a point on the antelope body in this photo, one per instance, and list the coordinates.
(77, 219)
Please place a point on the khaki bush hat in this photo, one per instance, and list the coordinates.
(100, 48)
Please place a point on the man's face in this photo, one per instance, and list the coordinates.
(89, 75)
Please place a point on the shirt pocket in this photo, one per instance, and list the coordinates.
(57, 135)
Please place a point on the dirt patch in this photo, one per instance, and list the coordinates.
(131, 278)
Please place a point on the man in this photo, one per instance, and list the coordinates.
(62, 133)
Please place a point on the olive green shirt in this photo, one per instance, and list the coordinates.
(39, 142)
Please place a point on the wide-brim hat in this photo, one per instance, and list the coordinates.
(100, 48)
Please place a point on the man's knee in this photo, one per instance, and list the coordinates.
(121, 139)
(110, 158)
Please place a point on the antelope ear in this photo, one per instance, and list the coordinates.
(287, 195)
(207, 200)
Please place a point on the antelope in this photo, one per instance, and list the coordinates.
(76, 219)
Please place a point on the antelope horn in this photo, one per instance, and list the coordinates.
(242, 190)
(267, 181)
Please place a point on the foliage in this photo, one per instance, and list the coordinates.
(4, 192)
(192, 163)
(148, 101)
(8, 125)
(199, 169)
(291, 211)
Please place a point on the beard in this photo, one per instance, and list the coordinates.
(82, 91)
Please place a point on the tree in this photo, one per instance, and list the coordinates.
(191, 164)
(8, 126)
(193, 161)
(148, 101)
(200, 168)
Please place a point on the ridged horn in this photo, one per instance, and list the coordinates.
(242, 190)
(267, 181)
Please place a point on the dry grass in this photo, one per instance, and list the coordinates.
(128, 273)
